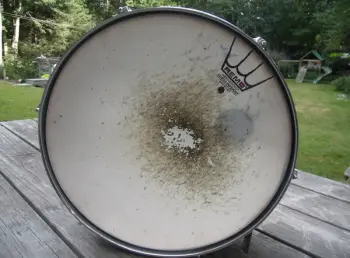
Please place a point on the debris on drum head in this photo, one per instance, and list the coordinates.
(202, 163)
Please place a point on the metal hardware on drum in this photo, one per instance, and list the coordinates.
(295, 174)
(169, 132)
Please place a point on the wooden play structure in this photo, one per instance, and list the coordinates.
(309, 68)
(314, 62)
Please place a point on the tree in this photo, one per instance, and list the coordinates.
(103, 9)
(335, 22)
(46, 27)
(50, 26)
(287, 25)
(72, 19)
(16, 22)
(1, 43)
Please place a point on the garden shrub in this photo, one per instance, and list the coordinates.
(342, 84)
(341, 66)
(19, 68)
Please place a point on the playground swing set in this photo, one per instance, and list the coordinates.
(311, 65)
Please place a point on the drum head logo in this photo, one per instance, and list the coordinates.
(233, 79)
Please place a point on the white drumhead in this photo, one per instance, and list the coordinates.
(168, 131)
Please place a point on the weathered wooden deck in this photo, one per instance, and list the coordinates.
(312, 220)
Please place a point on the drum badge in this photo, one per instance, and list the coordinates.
(233, 79)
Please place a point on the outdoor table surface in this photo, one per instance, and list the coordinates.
(312, 219)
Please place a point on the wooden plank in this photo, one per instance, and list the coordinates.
(311, 235)
(261, 247)
(23, 165)
(323, 207)
(265, 247)
(22, 232)
(26, 129)
(323, 185)
(229, 252)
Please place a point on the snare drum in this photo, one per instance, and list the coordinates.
(168, 131)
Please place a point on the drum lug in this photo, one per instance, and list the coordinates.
(295, 174)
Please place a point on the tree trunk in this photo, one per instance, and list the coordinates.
(1, 52)
(16, 24)
(107, 6)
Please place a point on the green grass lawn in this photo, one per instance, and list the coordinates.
(18, 102)
(324, 129)
(324, 123)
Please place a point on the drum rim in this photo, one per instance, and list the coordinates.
(147, 251)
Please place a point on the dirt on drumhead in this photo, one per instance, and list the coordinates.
(206, 165)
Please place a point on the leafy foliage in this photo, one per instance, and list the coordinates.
(19, 67)
(48, 27)
(342, 84)
(45, 76)
(335, 20)
(340, 66)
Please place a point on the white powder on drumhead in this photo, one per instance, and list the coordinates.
(181, 139)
